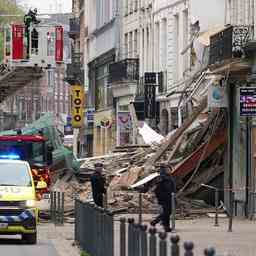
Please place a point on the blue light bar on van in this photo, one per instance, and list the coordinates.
(10, 156)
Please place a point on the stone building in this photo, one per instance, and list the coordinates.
(101, 50)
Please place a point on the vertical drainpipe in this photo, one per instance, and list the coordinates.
(230, 142)
(249, 157)
(118, 29)
(230, 118)
(118, 43)
(248, 164)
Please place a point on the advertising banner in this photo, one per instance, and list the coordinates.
(59, 45)
(247, 101)
(17, 41)
(77, 106)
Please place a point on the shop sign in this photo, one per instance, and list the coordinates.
(59, 44)
(90, 115)
(77, 106)
(68, 129)
(217, 96)
(248, 101)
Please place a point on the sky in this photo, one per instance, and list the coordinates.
(209, 12)
(48, 6)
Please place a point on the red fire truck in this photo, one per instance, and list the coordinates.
(34, 150)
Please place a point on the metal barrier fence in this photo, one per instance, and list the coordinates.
(94, 229)
(57, 200)
(137, 240)
(99, 234)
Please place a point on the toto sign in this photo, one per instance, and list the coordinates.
(77, 106)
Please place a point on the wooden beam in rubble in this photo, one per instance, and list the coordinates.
(172, 140)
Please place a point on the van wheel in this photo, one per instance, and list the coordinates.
(30, 238)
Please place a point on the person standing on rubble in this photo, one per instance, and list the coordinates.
(98, 185)
(163, 191)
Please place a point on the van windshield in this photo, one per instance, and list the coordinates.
(14, 174)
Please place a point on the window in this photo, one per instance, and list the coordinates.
(130, 45)
(126, 7)
(103, 92)
(50, 43)
(136, 4)
(157, 38)
(185, 39)
(177, 47)
(174, 118)
(148, 49)
(135, 43)
(164, 44)
(131, 6)
(126, 45)
(51, 79)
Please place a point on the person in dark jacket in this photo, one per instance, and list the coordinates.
(98, 185)
(163, 191)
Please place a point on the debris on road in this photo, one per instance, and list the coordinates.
(193, 153)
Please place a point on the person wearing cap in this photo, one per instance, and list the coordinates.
(163, 191)
(98, 185)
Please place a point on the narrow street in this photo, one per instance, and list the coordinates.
(15, 247)
(127, 127)
(52, 241)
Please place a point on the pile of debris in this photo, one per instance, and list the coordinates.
(194, 154)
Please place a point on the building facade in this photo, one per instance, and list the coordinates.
(236, 64)
(123, 41)
(171, 36)
(154, 33)
(100, 49)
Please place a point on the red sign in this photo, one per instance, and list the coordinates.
(17, 41)
(59, 44)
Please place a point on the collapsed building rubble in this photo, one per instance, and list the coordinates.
(193, 153)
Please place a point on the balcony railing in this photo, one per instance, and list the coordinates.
(229, 43)
(160, 82)
(125, 70)
(74, 27)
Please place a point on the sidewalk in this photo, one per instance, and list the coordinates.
(240, 242)
(62, 237)
(201, 231)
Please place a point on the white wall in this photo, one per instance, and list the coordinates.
(172, 34)
(101, 28)
(209, 12)
(240, 12)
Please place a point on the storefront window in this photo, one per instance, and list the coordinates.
(104, 97)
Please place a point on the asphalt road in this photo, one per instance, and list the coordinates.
(11, 246)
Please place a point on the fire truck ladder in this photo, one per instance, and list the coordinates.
(13, 79)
